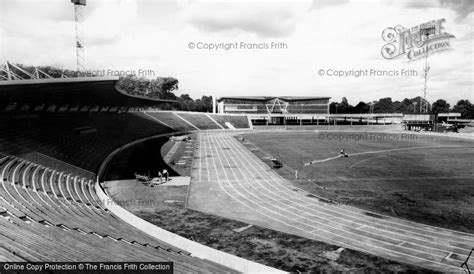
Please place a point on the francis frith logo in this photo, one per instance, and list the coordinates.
(415, 42)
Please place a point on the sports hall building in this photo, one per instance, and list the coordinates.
(285, 110)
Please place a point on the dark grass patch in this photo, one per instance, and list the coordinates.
(326, 201)
(373, 215)
(280, 250)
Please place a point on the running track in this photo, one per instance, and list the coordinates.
(230, 181)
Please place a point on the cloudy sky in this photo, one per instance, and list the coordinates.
(328, 35)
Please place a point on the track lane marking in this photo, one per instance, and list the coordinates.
(409, 224)
(336, 235)
(250, 174)
(326, 209)
(251, 165)
(415, 257)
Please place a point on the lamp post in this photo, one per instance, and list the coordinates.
(426, 32)
(371, 111)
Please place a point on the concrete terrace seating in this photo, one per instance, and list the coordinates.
(236, 120)
(200, 120)
(169, 118)
(48, 215)
(55, 135)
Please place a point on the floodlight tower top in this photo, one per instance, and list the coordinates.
(78, 17)
(79, 2)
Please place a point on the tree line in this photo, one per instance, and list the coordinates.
(162, 88)
(386, 105)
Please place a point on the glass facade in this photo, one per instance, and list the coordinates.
(285, 106)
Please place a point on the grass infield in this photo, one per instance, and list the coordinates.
(427, 179)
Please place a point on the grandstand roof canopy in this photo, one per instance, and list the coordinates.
(100, 91)
(267, 98)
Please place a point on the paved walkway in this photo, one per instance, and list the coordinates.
(230, 181)
(177, 181)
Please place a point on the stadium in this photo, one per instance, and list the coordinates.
(119, 174)
(65, 144)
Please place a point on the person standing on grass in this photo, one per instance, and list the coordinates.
(160, 176)
(166, 175)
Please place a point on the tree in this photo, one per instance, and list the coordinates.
(440, 106)
(332, 107)
(342, 107)
(465, 108)
(186, 102)
(169, 84)
(406, 106)
(159, 88)
(206, 103)
(384, 105)
(344, 102)
(361, 107)
(399, 107)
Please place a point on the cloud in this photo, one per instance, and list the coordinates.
(462, 7)
(154, 35)
(102, 40)
(421, 4)
(105, 22)
(318, 4)
(262, 25)
(261, 20)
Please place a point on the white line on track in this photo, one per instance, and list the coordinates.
(271, 194)
(321, 222)
(283, 183)
(253, 200)
(303, 198)
(304, 223)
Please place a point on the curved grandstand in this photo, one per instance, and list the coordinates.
(49, 205)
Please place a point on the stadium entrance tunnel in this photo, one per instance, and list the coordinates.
(142, 158)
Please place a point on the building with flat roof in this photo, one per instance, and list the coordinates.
(276, 110)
